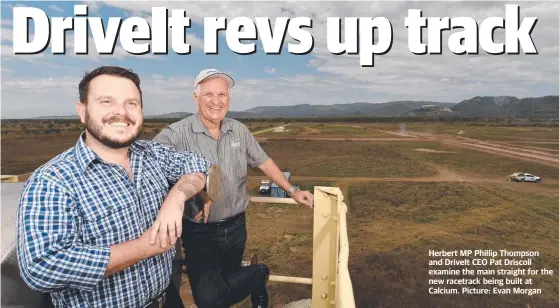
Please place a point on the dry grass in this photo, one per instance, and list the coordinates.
(348, 130)
(281, 236)
(392, 226)
(343, 158)
(25, 152)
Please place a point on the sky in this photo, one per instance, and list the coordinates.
(45, 84)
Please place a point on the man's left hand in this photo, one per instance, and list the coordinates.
(168, 224)
(303, 197)
(207, 206)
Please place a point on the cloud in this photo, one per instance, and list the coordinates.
(11, 6)
(93, 54)
(33, 97)
(194, 41)
(7, 35)
(25, 97)
(8, 55)
(269, 70)
(162, 94)
(329, 79)
(55, 8)
(399, 57)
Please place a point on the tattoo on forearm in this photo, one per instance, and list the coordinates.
(187, 184)
(186, 188)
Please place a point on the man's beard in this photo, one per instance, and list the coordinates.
(95, 131)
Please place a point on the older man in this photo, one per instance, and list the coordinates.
(88, 218)
(214, 250)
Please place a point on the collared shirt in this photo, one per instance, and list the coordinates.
(235, 149)
(74, 207)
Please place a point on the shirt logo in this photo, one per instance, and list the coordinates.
(236, 144)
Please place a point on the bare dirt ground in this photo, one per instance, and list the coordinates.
(334, 139)
(186, 293)
(432, 151)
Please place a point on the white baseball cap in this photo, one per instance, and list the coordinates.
(205, 74)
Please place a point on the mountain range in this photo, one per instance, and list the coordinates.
(479, 106)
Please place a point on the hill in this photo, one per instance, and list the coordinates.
(431, 111)
(479, 106)
(395, 108)
(173, 115)
(509, 106)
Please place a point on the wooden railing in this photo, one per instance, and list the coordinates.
(9, 178)
(331, 282)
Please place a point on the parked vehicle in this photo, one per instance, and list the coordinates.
(525, 177)
(265, 187)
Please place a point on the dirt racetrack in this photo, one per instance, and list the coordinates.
(540, 155)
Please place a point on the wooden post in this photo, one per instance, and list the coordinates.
(325, 246)
(344, 287)
(331, 282)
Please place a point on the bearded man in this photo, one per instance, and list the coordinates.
(97, 224)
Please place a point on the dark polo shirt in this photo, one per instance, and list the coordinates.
(234, 151)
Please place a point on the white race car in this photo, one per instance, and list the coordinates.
(525, 177)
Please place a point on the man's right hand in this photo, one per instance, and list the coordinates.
(124, 255)
(168, 224)
(152, 248)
